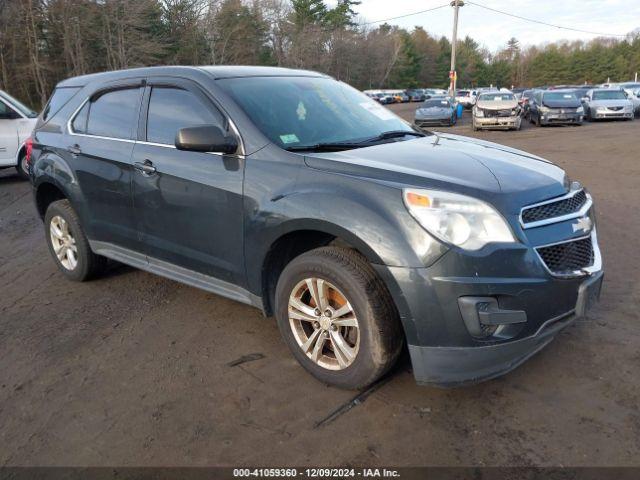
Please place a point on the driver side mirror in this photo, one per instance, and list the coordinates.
(205, 138)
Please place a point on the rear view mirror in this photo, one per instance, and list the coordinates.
(205, 138)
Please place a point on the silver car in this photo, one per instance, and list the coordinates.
(436, 111)
(602, 103)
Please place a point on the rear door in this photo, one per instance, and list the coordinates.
(189, 208)
(101, 140)
(8, 134)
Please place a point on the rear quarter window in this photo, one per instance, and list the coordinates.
(58, 99)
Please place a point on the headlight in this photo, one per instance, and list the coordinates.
(457, 219)
(601, 109)
(580, 110)
(479, 112)
(514, 111)
(544, 109)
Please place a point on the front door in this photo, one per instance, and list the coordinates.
(8, 134)
(188, 205)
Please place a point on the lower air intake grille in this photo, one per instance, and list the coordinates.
(566, 258)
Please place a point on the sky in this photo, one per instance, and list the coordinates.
(493, 30)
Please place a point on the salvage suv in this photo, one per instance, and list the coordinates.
(293, 192)
(496, 110)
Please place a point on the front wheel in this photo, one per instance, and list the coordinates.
(337, 317)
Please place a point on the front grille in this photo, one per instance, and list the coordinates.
(615, 109)
(497, 113)
(562, 207)
(566, 258)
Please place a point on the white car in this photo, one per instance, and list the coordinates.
(467, 98)
(16, 124)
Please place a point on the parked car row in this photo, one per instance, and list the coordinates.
(386, 97)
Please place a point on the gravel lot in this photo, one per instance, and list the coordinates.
(133, 369)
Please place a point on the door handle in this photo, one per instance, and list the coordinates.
(74, 149)
(146, 167)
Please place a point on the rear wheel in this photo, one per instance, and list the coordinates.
(69, 245)
(337, 317)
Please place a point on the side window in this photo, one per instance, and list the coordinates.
(7, 113)
(171, 109)
(114, 114)
(58, 100)
(79, 124)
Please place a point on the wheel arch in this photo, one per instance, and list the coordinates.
(300, 237)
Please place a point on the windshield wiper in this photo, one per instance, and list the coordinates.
(393, 134)
(338, 146)
(324, 147)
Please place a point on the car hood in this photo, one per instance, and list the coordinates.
(493, 105)
(506, 177)
(610, 103)
(562, 103)
(433, 111)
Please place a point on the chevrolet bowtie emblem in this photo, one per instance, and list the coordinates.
(583, 224)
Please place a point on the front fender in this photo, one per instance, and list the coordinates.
(367, 214)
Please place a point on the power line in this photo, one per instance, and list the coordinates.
(545, 23)
(406, 15)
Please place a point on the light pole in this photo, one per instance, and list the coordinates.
(455, 4)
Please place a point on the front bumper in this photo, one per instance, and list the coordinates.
(431, 121)
(561, 118)
(524, 302)
(612, 114)
(498, 122)
(453, 366)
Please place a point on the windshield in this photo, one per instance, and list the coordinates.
(300, 111)
(435, 103)
(26, 111)
(556, 96)
(496, 97)
(609, 95)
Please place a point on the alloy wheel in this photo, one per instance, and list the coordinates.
(324, 323)
(63, 243)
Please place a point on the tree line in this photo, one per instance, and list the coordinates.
(45, 41)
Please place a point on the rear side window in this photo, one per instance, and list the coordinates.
(7, 113)
(171, 109)
(58, 99)
(113, 114)
(79, 123)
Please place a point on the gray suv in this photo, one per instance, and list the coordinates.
(292, 192)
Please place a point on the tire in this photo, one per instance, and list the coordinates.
(22, 168)
(348, 281)
(87, 264)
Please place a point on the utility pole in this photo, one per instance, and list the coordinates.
(452, 74)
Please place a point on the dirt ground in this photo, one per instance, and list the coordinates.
(133, 369)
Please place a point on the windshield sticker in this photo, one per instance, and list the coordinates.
(289, 138)
(568, 96)
(301, 111)
(443, 102)
(378, 110)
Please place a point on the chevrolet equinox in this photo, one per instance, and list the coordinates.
(292, 192)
